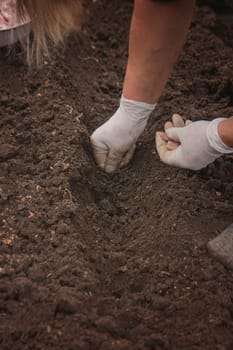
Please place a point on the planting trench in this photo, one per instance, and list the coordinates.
(96, 261)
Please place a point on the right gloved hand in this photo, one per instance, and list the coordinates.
(114, 142)
(191, 146)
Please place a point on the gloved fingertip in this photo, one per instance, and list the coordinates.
(168, 125)
(158, 139)
(174, 133)
(100, 155)
(113, 161)
(161, 145)
(177, 120)
(128, 156)
(171, 145)
(188, 122)
(109, 169)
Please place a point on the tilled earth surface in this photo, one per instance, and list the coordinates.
(95, 261)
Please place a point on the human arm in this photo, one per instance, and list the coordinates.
(157, 34)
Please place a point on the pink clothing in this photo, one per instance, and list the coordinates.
(8, 17)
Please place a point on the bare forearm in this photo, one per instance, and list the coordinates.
(225, 130)
(157, 34)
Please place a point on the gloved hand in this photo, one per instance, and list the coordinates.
(114, 142)
(191, 145)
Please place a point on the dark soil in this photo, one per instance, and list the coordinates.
(95, 261)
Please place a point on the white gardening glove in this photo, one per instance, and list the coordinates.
(114, 142)
(191, 145)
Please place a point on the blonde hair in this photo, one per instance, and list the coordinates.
(51, 21)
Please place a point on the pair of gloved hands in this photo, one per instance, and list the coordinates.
(190, 145)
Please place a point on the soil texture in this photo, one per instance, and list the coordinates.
(91, 261)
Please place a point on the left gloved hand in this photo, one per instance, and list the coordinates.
(114, 142)
(191, 145)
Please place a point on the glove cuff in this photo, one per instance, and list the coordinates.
(140, 104)
(214, 139)
(138, 111)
